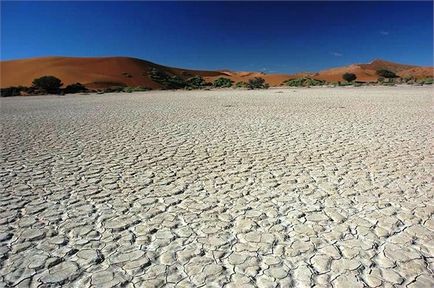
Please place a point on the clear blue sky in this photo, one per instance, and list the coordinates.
(260, 36)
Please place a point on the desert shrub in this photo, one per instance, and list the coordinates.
(349, 77)
(168, 81)
(304, 82)
(141, 89)
(175, 82)
(74, 88)
(241, 84)
(158, 75)
(316, 82)
(113, 89)
(11, 91)
(298, 82)
(195, 82)
(125, 89)
(408, 79)
(426, 81)
(223, 82)
(128, 89)
(386, 73)
(49, 84)
(33, 91)
(333, 83)
(257, 83)
(22, 90)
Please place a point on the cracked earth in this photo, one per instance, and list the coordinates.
(285, 187)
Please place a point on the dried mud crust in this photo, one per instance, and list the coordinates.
(307, 187)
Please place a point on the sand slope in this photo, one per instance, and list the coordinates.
(112, 71)
(93, 72)
(368, 72)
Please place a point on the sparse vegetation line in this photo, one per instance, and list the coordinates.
(164, 79)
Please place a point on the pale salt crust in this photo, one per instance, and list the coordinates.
(289, 187)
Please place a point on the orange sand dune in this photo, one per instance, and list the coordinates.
(92, 72)
(368, 72)
(335, 74)
(112, 71)
(378, 64)
(417, 72)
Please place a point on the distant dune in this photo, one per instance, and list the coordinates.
(113, 71)
(368, 72)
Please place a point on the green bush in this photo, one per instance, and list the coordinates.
(333, 83)
(304, 82)
(125, 89)
(223, 82)
(33, 91)
(113, 89)
(408, 79)
(22, 90)
(257, 83)
(168, 81)
(175, 82)
(344, 83)
(157, 75)
(241, 84)
(141, 89)
(74, 88)
(426, 81)
(195, 82)
(298, 82)
(389, 80)
(48, 84)
(128, 89)
(386, 73)
(11, 91)
(349, 77)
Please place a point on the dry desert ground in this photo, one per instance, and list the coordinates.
(324, 187)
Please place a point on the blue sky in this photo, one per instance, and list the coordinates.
(260, 36)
